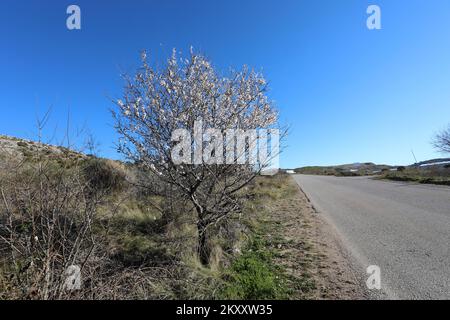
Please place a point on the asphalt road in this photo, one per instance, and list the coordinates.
(402, 228)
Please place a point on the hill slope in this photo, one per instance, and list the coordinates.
(354, 169)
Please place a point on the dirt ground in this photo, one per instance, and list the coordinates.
(311, 250)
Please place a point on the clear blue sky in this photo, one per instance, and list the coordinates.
(349, 94)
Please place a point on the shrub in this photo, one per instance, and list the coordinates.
(45, 227)
(105, 175)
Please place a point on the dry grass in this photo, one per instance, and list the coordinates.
(146, 243)
(430, 175)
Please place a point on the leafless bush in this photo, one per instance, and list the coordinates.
(104, 175)
(46, 219)
(48, 208)
(441, 141)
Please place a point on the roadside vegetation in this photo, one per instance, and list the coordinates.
(432, 175)
(268, 266)
(58, 210)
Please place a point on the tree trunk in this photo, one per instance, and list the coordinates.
(202, 246)
(202, 242)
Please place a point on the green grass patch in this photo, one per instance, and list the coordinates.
(253, 275)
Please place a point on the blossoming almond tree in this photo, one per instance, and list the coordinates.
(183, 94)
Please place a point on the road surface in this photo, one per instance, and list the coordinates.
(402, 228)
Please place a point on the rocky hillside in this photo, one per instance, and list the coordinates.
(27, 149)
